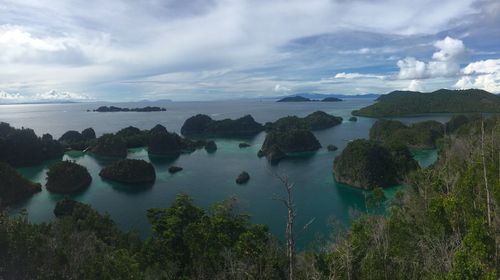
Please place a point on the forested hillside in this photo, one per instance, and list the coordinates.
(404, 103)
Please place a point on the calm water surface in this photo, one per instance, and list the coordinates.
(209, 178)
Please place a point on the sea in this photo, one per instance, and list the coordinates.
(210, 178)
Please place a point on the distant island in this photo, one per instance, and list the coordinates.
(405, 103)
(299, 98)
(331, 99)
(107, 109)
(294, 99)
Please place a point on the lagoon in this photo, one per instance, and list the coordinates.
(209, 178)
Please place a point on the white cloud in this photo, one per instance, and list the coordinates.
(410, 68)
(415, 85)
(483, 74)
(483, 67)
(6, 96)
(344, 75)
(60, 95)
(444, 63)
(280, 88)
(71, 44)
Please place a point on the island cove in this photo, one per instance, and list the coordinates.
(211, 176)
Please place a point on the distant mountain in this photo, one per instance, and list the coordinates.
(405, 103)
(319, 96)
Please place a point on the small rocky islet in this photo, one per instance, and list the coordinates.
(278, 144)
(67, 177)
(368, 164)
(129, 171)
(242, 178)
(174, 169)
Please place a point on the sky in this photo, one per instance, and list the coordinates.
(116, 50)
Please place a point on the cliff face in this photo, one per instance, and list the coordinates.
(366, 164)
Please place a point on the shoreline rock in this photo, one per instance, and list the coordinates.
(210, 146)
(174, 169)
(243, 145)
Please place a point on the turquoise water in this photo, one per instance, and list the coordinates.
(209, 178)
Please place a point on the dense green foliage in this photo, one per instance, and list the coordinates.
(162, 142)
(314, 121)
(67, 177)
(203, 125)
(22, 147)
(417, 135)
(110, 145)
(134, 137)
(129, 171)
(187, 242)
(14, 187)
(367, 164)
(76, 140)
(440, 227)
(404, 103)
(279, 143)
